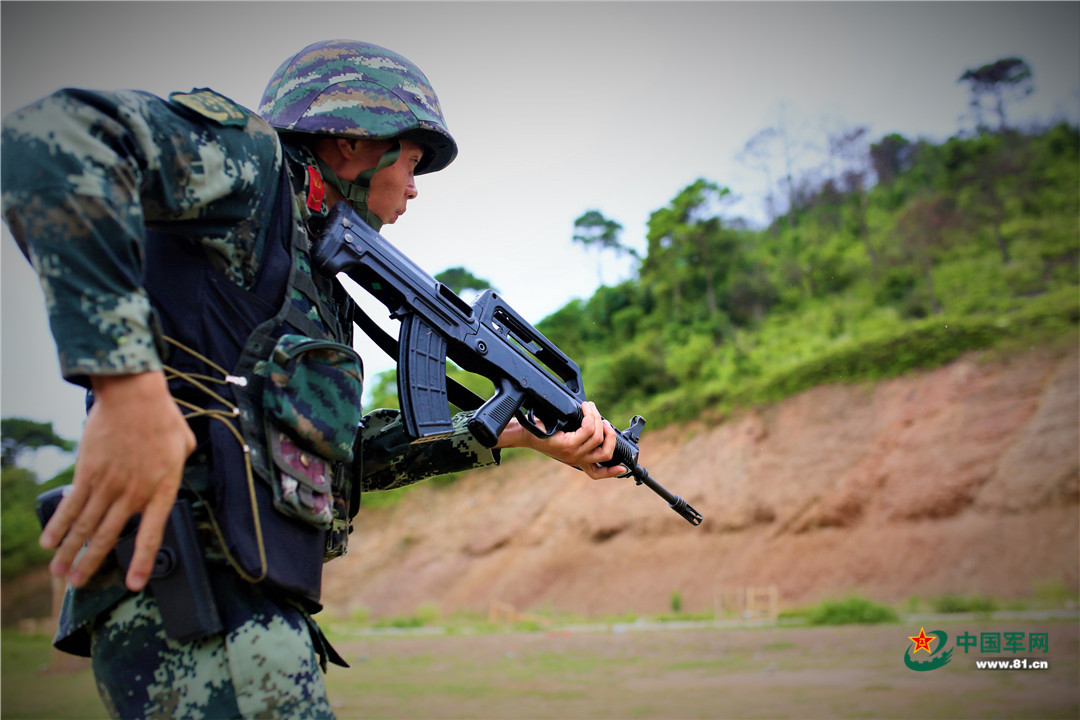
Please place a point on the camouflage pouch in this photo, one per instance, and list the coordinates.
(312, 405)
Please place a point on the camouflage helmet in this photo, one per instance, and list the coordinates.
(358, 90)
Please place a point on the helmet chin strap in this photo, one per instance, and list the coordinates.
(356, 192)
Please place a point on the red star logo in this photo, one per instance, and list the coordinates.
(922, 641)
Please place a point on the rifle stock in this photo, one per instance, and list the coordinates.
(534, 380)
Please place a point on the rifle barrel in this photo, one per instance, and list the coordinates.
(676, 503)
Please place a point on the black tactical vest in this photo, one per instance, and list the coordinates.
(234, 328)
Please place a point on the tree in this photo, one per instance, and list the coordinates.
(1006, 79)
(17, 435)
(846, 171)
(988, 174)
(848, 152)
(694, 253)
(922, 230)
(755, 154)
(890, 156)
(19, 487)
(849, 149)
(596, 232)
(459, 280)
(761, 152)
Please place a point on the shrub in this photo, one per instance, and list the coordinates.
(851, 611)
(963, 603)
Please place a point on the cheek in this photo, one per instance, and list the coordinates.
(392, 185)
(381, 191)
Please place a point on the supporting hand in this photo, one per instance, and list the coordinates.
(588, 446)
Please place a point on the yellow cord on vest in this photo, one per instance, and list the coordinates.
(226, 417)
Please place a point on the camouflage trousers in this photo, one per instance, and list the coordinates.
(264, 665)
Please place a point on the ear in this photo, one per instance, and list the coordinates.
(346, 147)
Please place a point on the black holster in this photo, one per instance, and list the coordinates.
(179, 581)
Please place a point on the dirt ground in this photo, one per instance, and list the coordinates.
(840, 672)
(645, 671)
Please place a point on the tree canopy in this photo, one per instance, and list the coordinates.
(1002, 81)
(18, 435)
(459, 280)
(19, 487)
(949, 247)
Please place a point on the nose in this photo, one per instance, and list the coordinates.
(411, 192)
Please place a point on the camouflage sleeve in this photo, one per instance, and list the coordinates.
(391, 459)
(85, 173)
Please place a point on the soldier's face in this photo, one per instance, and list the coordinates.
(392, 187)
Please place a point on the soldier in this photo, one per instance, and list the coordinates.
(171, 237)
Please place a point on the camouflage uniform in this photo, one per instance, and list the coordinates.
(85, 174)
(265, 664)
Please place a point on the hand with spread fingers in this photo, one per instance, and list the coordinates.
(131, 461)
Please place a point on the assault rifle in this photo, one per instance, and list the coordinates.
(534, 380)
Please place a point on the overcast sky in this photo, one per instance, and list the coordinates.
(557, 107)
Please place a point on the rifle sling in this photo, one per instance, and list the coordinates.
(457, 393)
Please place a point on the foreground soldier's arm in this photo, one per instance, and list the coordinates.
(391, 458)
(84, 173)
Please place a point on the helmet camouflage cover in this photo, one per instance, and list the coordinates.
(358, 90)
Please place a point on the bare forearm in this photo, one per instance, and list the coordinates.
(588, 446)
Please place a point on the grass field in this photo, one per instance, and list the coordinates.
(627, 671)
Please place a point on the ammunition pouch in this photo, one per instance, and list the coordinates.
(312, 405)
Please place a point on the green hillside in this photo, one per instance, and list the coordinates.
(962, 245)
(916, 253)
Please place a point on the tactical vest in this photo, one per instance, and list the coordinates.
(273, 388)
